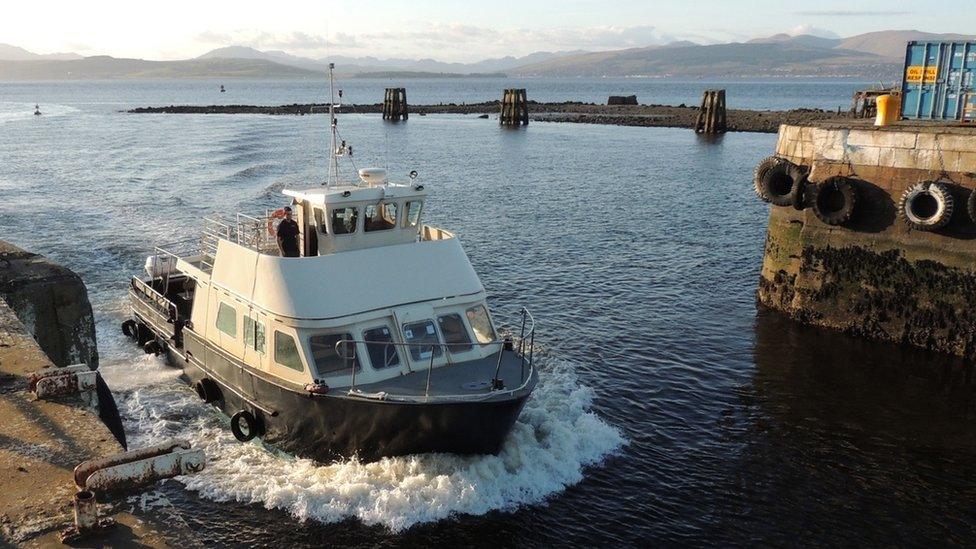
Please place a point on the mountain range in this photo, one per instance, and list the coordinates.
(875, 54)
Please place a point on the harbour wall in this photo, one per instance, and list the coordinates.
(874, 276)
(46, 321)
(52, 303)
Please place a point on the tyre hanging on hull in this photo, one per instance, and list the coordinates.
(779, 182)
(926, 206)
(207, 390)
(834, 200)
(245, 426)
(130, 328)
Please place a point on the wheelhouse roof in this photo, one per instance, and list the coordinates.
(337, 285)
(353, 193)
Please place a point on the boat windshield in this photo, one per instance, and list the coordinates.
(327, 361)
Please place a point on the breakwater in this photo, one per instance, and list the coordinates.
(875, 232)
(681, 116)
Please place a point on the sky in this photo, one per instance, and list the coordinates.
(448, 31)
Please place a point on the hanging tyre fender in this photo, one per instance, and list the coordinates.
(152, 347)
(246, 426)
(130, 328)
(207, 390)
(779, 182)
(926, 206)
(834, 200)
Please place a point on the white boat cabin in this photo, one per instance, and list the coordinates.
(404, 294)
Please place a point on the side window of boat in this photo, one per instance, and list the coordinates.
(454, 332)
(380, 217)
(421, 332)
(344, 220)
(413, 213)
(480, 323)
(327, 360)
(286, 352)
(379, 346)
(254, 334)
(227, 319)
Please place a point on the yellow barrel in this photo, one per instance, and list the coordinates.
(889, 108)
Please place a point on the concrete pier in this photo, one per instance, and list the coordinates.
(41, 441)
(874, 275)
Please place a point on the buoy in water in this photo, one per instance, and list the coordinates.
(37, 110)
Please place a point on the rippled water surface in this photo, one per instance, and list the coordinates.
(669, 411)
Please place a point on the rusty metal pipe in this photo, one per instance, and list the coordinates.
(86, 468)
(86, 511)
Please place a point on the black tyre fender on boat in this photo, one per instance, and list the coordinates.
(780, 182)
(834, 200)
(130, 328)
(143, 334)
(207, 390)
(245, 426)
(152, 347)
(926, 206)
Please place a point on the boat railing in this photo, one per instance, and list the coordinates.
(153, 298)
(524, 349)
(247, 230)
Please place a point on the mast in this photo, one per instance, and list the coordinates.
(334, 152)
(337, 147)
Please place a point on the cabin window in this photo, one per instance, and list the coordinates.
(327, 360)
(380, 217)
(227, 320)
(413, 213)
(379, 345)
(454, 332)
(286, 352)
(254, 334)
(344, 220)
(480, 323)
(421, 332)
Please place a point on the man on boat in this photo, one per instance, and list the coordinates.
(286, 233)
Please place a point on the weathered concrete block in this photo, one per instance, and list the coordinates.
(52, 302)
(875, 276)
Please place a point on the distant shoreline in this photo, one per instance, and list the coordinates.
(682, 116)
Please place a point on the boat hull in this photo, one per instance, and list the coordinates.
(336, 425)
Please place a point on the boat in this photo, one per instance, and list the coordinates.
(37, 110)
(376, 341)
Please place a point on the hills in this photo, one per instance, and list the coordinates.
(13, 53)
(870, 55)
(875, 55)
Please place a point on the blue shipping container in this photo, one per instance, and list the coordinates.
(938, 82)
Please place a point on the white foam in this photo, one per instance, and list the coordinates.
(555, 438)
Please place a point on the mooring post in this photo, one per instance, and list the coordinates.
(711, 115)
(395, 104)
(514, 108)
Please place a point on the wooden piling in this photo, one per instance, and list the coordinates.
(515, 108)
(711, 118)
(395, 104)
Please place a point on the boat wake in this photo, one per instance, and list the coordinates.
(555, 438)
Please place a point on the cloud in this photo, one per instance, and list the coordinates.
(446, 40)
(852, 13)
(812, 31)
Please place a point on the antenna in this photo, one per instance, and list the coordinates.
(333, 151)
